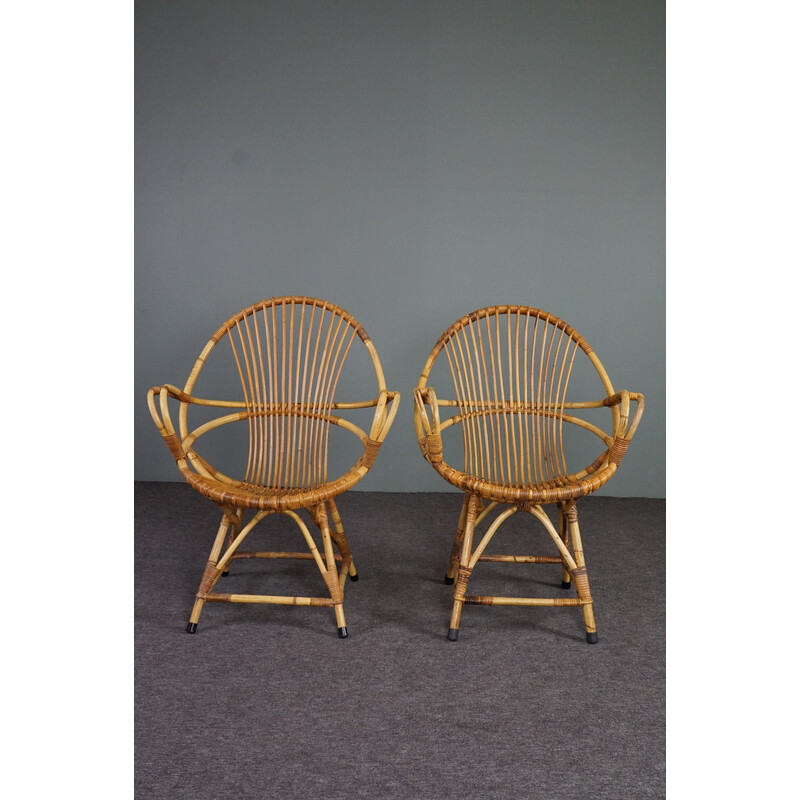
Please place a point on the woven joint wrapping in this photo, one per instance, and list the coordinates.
(581, 581)
(461, 582)
(332, 582)
(433, 445)
(209, 576)
(174, 444)
(371, 448)
(344, 548)
(618, 450)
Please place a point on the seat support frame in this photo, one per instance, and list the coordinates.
(464, 557)
(334, 567)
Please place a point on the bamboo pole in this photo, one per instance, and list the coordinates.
(275, 599)
(277, 554)
(211, 566)
(463, 568)
(495, 600)
(581, 577)
(489, 534)
(521, 559)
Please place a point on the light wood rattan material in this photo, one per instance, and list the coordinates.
(289, 353)
(510, 367)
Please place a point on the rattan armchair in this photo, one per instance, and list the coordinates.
(510, 367)
(289, 353)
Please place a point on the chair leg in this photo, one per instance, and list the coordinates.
(563, 527)
(331, 576)
(455, 550)
(340, 539)
(235, 526)
(464, 571)
(581, 578)
(210, 575)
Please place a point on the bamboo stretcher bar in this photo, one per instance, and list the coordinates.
(521, 559)
(269, 599)
(494, 600)
(278, 554)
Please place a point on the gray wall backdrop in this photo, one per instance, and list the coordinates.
(412, 162)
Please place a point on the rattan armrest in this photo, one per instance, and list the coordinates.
(385, 411)
(624, 426)
(163, 420)
(177, 394)
(429, 431)
(387, 418)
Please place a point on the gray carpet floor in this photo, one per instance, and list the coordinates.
(267, 702)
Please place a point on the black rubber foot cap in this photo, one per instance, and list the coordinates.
(226, 573)
(191, 627)
(342, 633)
(354, 578)
(449, 581)
(566, 584)
(452, 634)
(591, 638)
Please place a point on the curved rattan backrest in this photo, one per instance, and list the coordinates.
(510, 367)
(289, 353)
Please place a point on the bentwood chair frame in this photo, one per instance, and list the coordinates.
(289, 354)
(510, 366)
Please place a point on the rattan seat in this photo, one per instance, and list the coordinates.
(545, 492)
(509, 370)
(289, 353)
(245, 495)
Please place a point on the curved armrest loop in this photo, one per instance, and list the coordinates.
(429, 432)
(386, 419)
(163, 420)
(624, 429)
(381, 423)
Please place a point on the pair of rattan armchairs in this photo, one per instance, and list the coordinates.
(509, 368)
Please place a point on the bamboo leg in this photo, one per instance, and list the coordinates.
(455, 550)
(208, 575)
(464, 570)
(235, 526)
(581, 577)
(217, 565)
(566, 580)
(340, 540)
(331, 575)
